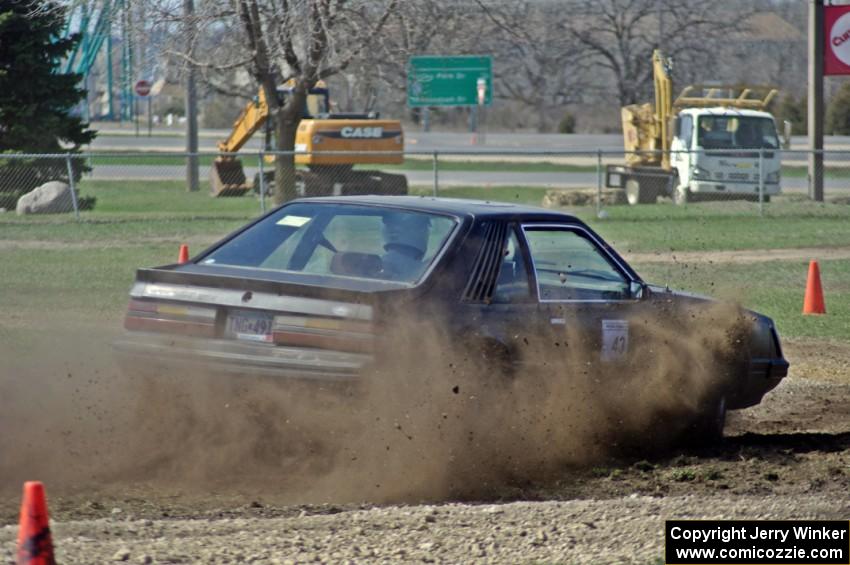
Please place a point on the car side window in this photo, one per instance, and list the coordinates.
(571, 267)
(512, 284)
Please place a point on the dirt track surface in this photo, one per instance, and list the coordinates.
(786, 458)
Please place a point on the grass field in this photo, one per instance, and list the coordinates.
(54, 264)
(773, 288)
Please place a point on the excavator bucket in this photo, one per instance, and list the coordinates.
(227, 177)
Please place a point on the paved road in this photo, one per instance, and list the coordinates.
(446, 178)
(415, 141)
(124, 140)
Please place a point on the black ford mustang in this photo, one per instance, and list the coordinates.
(313, 289)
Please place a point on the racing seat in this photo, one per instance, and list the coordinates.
(511, 284)
(355, 264)
(507, 273)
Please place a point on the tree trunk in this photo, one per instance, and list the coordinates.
(543, 124)
(286, 126)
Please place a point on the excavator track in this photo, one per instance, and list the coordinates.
(310, 183)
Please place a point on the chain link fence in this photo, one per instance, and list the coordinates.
(739, 182)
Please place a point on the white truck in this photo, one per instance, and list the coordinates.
(718, 145)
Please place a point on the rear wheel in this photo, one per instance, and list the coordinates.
(638, 192)
(682, 195)
(707, 427)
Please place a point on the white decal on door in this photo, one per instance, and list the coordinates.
(615, 339)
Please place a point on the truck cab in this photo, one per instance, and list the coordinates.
(722, 152)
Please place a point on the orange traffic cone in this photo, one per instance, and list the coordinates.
(35, 547)
(184, 253)
(813, 303)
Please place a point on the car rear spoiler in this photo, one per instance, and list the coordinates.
(277, 282)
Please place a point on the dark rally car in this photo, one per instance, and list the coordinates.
(313, 290)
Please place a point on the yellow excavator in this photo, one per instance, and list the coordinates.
(711, 142)
(328, 144)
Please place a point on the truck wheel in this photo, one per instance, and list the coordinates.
(639, 193)
(681, 195)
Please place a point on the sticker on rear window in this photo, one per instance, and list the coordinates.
(293, 221)
(615, 339)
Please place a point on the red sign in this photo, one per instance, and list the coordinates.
(836, 33)
(143, 88)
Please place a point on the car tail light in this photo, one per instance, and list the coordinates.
(324, 333)
(155, 316)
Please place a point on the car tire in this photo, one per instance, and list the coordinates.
(707, 427)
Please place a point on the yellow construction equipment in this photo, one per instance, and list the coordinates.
(329, 145)
(662, 150)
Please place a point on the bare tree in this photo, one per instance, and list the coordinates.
(539, 64)
(621, 35)
(421, 27)
(302, 41)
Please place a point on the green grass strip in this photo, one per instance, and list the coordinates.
(773, 288)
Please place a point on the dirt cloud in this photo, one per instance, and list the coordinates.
(434, 421)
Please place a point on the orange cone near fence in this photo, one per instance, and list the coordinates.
(813, 303)
(35, 546)
(183, 257)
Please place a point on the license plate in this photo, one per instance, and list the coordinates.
(250, 326)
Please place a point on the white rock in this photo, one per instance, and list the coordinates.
(52, 197)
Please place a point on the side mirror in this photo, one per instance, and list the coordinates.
(786, 134)
(638, 290)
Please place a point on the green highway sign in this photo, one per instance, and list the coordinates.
(449, 81)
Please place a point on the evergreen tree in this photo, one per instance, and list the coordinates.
(793, 110)
(36, 98)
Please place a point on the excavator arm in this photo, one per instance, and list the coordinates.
(227, 177)
(661, 70)
(646, 127)
(252, 118)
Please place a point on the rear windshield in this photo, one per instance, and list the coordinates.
(340, 240)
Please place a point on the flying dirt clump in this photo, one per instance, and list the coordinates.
(434, 420)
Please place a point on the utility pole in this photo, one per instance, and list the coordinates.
(192, 181)
(815, 109)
